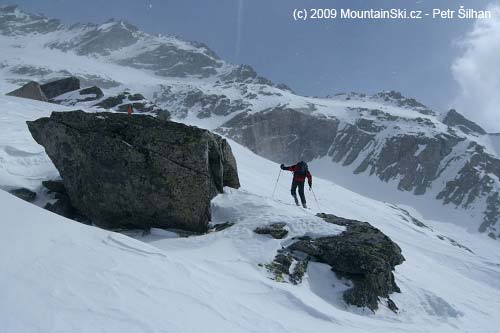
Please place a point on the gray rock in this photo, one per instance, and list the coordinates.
(126, 171)
(455, 119)
(31, 90)
(24, 193)
(275, 230)
(58, 87)
(79, 96)
(281, 267)
(122, 101)
(56, 186)
(241, 73)
(207, 104)
(221, 226)
(93, 40)
(362, 254)
(395, 97)
(282, 134)
(169, 60)
(63, 206)
(92, 91)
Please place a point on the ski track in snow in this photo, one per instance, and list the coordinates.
(65, 276)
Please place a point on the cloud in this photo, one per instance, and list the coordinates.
(477, 72)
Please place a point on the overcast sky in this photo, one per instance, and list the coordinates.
(442, 63)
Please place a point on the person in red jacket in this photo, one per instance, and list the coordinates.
(300, 173)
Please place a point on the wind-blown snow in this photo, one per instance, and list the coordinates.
(59, 275)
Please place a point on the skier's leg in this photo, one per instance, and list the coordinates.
(294, 192)
(301, 193)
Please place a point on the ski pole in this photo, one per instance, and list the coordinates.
(314, 195)
(276, 185)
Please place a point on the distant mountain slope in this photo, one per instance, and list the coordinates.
(408, 147)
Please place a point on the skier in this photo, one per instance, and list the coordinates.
(300, 173)
(130, 110)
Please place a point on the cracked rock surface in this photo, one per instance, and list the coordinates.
(362, 254)
(126, 171)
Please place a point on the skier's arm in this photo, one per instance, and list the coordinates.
(289, 168)
(309, 178)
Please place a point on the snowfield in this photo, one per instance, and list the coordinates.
(62, 276)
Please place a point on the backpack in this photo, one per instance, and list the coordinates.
(302, 168)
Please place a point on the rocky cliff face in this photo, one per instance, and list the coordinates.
(126, 171)
(449, 160)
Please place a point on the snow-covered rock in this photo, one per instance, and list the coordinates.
(126, 171)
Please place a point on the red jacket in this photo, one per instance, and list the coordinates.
(297, 177)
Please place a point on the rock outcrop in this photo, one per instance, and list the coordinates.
(138, 102)
(275, 230)
(47, 91)
(126, 171)
(58, 87)
(276, 133)
(30, 90)
(24, 193)
(455, 119)
(362, 254)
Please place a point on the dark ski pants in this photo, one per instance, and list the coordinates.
(300, 185)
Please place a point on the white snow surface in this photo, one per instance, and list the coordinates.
(62, 276)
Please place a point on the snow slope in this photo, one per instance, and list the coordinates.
(60, 276)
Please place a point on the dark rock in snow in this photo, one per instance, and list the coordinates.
(58, 87)
(137, 171)
(281, 267)
(276, 230)
(455, 119)
(221, 226)
(56, 186)
(24, 193)
(398, 99)
(31, 90)
(92, 91)
(64, 208)
(78, 96)
(362, 254)
(122, 101)
(135, 97)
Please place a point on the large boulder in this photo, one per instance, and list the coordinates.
(31, 90)
(58, 87)
(137, 171)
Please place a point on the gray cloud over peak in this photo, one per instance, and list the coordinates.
(477, 72)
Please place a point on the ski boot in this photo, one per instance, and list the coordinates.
(296, 200)
(304, 205)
